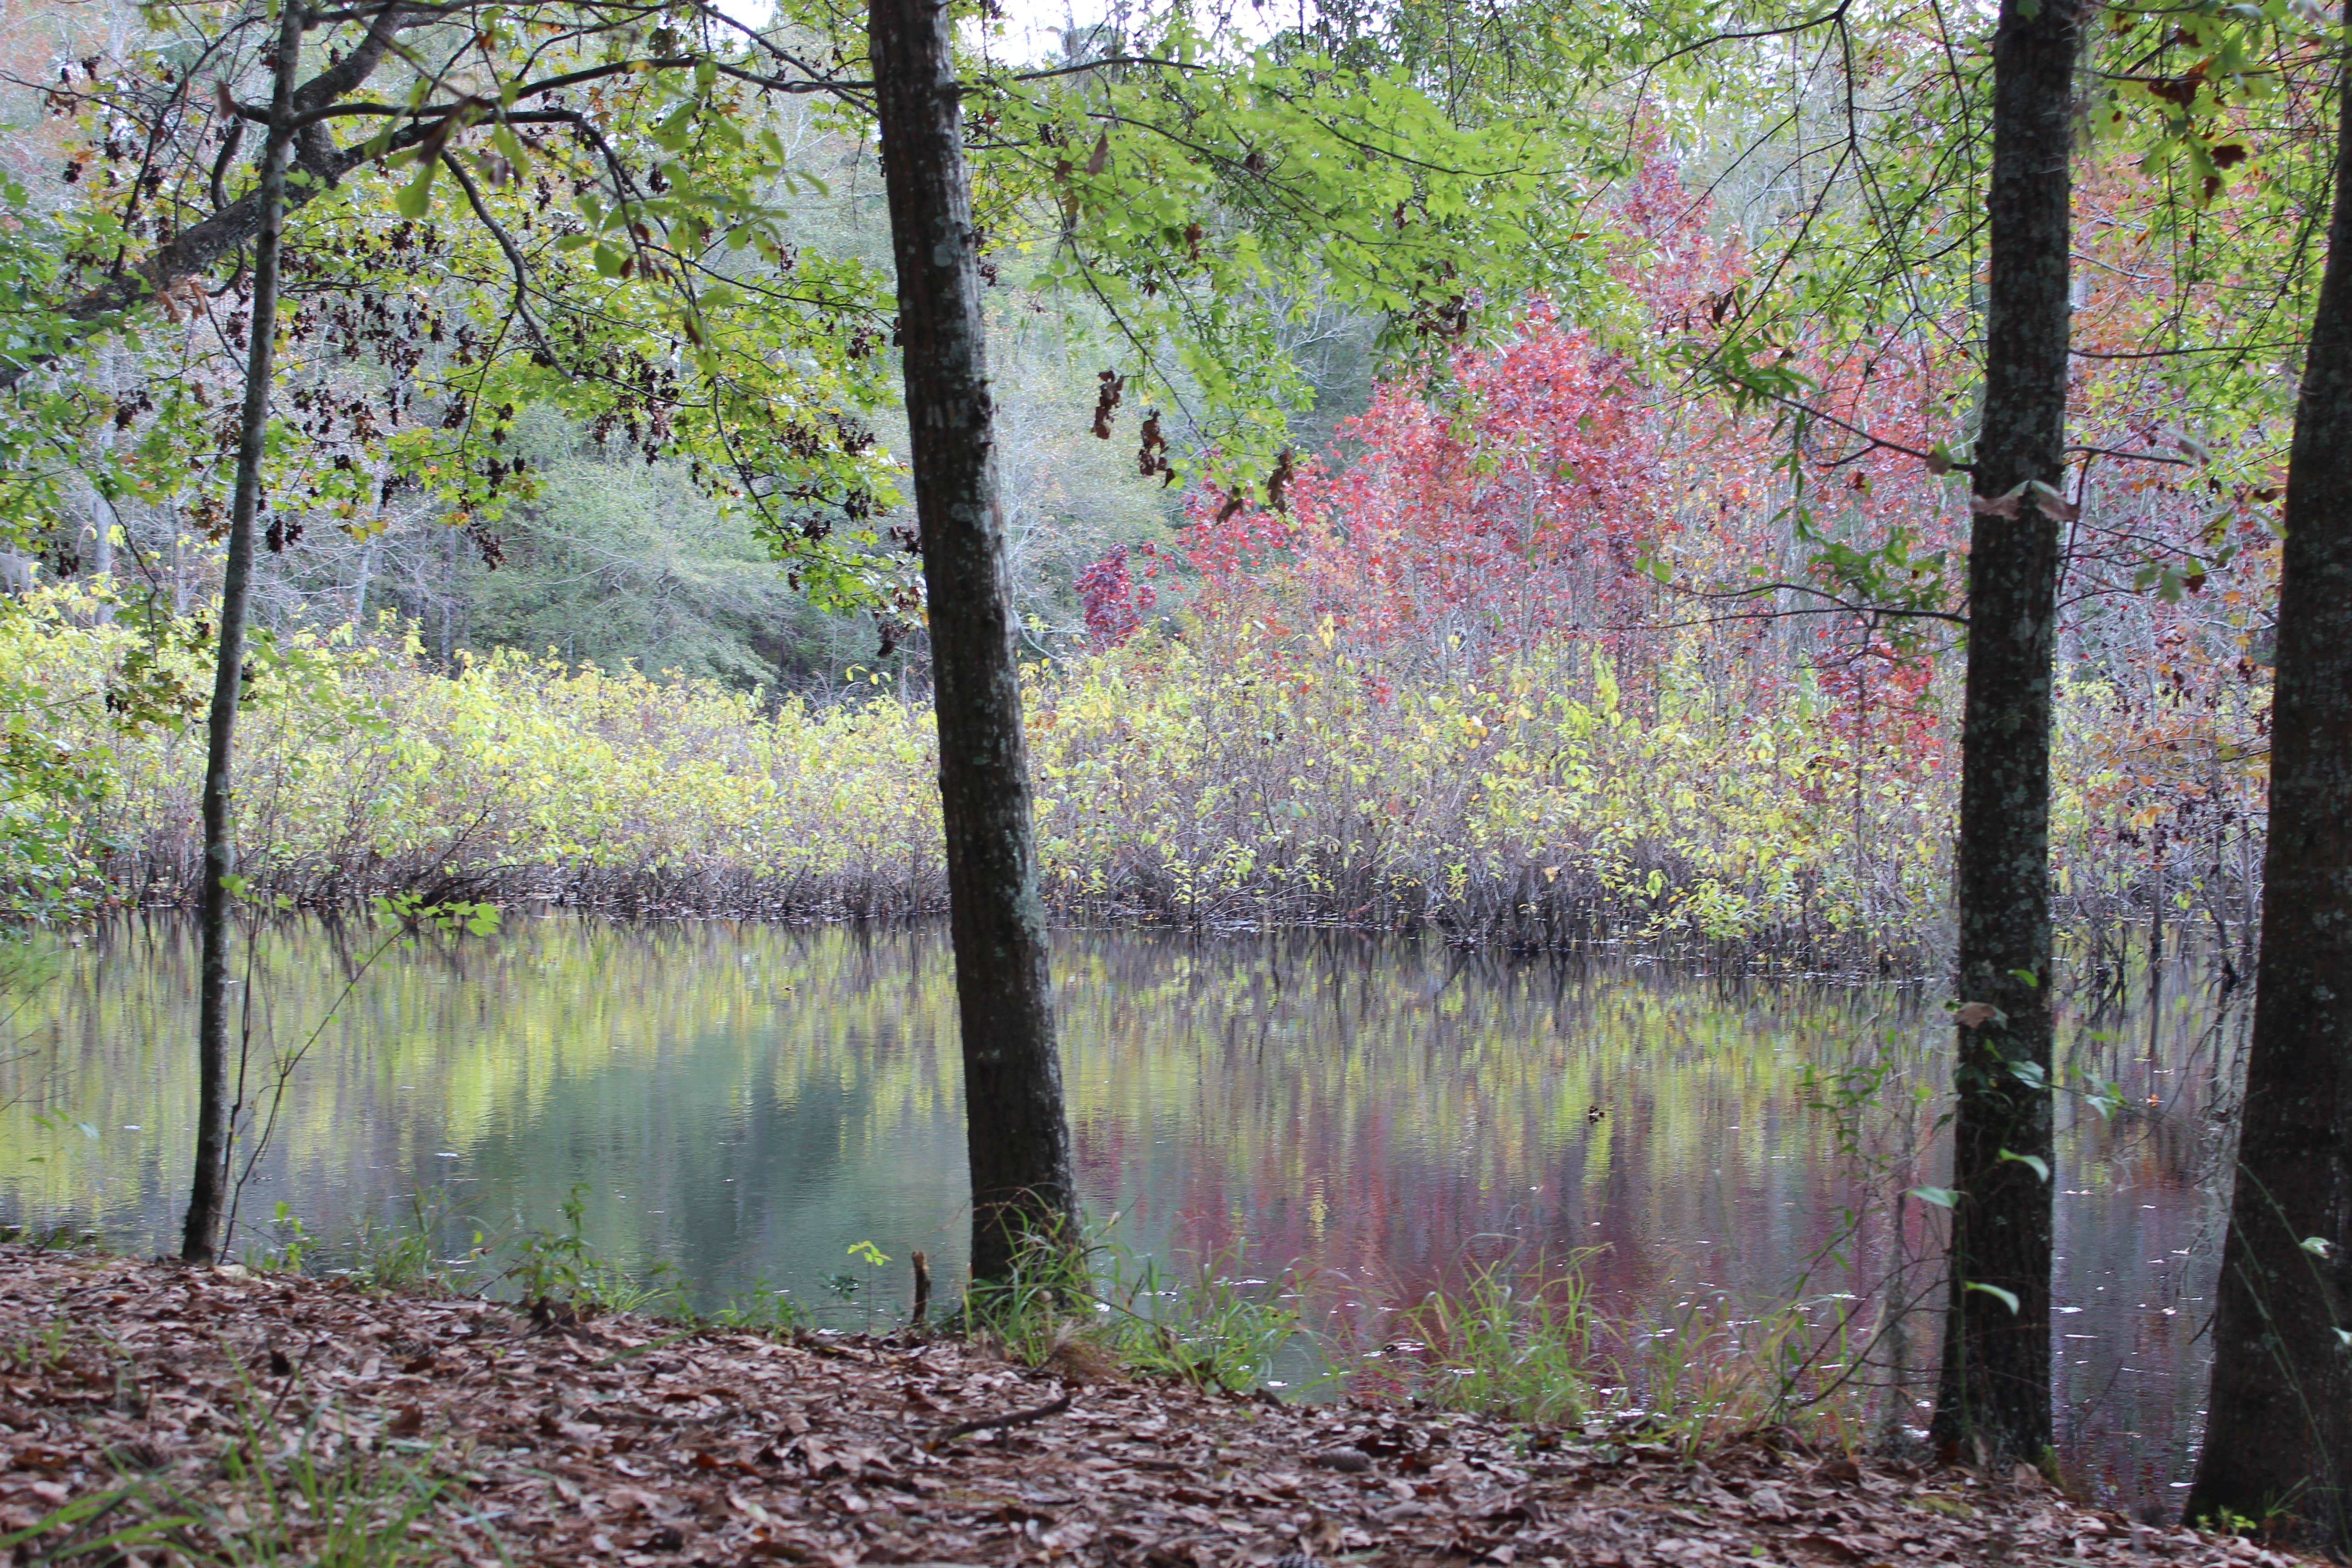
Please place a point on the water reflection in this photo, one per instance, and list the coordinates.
(745, 1102)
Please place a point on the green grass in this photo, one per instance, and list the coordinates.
(1526, 1344)
(347, 1508)
(1516, 1349)
(1097, 1306)
(1519, 1341)
(280, 1499)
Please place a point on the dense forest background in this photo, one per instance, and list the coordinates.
(1659, 431)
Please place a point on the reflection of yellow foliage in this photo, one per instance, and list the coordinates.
(751, 1097)
(1278, 1066)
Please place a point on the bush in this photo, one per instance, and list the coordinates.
(1225, 776)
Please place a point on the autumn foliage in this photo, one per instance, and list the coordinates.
(1575, 484)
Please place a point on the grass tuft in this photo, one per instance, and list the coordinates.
(1094, 1309)
(274, 1500)
(1519, 1350)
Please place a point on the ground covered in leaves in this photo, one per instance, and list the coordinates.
(192, 1414)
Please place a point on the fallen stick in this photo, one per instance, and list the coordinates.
(1010, 1418)
(663, 1343)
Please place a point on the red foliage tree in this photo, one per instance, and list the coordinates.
(1112, 601)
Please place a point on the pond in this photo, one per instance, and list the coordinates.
(1372, 1116)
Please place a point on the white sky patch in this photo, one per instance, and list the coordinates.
(1033, 29)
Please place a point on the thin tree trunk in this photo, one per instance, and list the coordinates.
(359, 596)
(1015, 1128)
(207, 1191)
(2279, 1437)
(102, 519)
(1993, 1393)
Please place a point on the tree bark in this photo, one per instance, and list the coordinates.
(207, 1192)
(2279, 1439)
(1993, 1393)
(1015, 1128)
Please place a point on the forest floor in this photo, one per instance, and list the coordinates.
(188, 1413)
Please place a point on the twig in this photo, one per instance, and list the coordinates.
(1010, 1418)
(617, 1357)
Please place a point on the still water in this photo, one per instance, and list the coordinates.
(747, 1103)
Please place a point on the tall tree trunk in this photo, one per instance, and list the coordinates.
(1015, 1128)
(1993, 1393)
(2279, 1437)
(207, 1191)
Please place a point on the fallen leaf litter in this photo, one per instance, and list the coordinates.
(615, 1440)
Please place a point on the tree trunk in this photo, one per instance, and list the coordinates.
(207, 1191)
(1993, 1393)
(1015, 1132)
(2279, 1439)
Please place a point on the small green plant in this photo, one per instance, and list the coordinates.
(763, 1307)
(1096, 1301)
(290, 1243)
(1709, 1372)
(404, 1254)
(450, 917)
(80, 1530)
(1520, 1349)
(313, 1501)
(847, 1287)
(556, 1265)
(2230, 1521)
(559, 1267)
(283, 1499)
(1218, 1328)
(60, 1237)
(1028, 1314)
(42, 1350)
(663, 1291)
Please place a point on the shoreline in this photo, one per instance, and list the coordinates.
(274, 1409)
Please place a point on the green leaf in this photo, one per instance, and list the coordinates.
(1942, 1197)
(672, 133)
(508, 144)
(2034, 1163)
(2006, 1298)
(414, 199)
